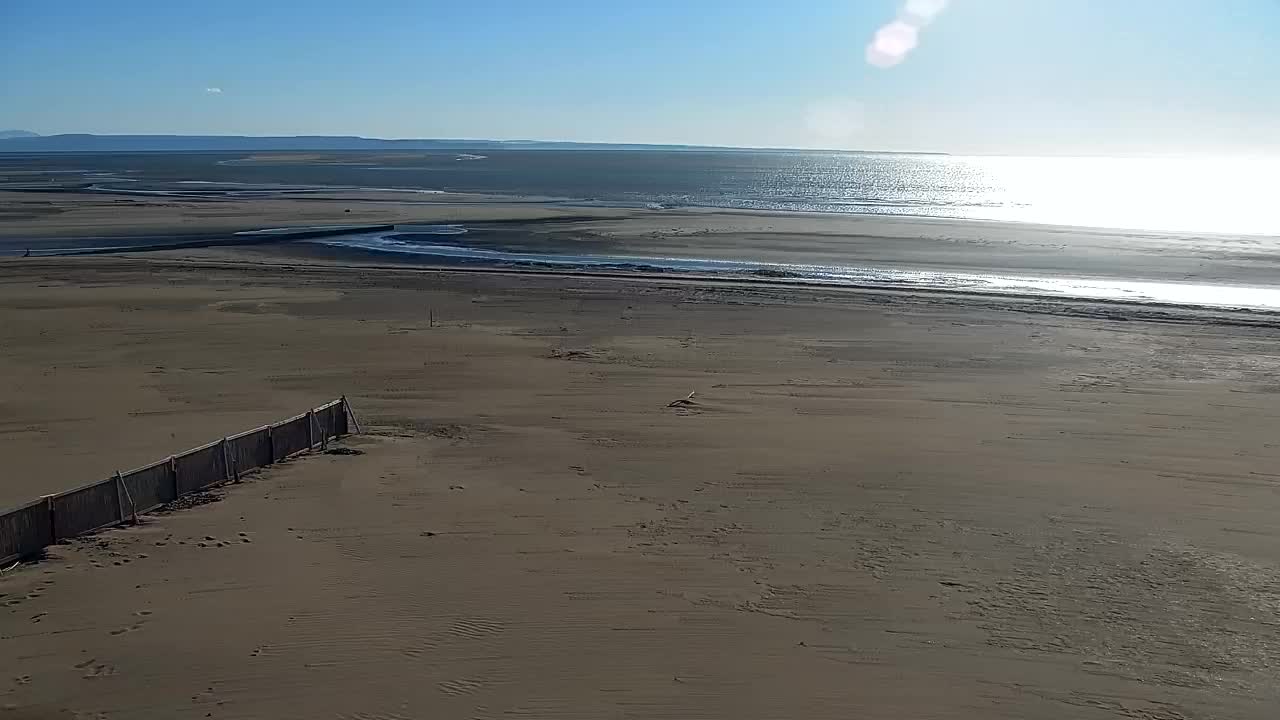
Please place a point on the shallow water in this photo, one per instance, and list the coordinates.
(432, 243)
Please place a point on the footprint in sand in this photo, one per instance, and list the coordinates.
(459, 687)
(207, 695)
(127, 629)
(98, 670)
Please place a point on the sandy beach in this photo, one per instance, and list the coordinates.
(873, 505)
(911, 360)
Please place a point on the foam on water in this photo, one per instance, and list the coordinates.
(295, 230)
(419, 241)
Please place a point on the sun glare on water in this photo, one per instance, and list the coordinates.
(1215, 195)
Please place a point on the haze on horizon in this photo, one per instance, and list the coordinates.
(1055, 77)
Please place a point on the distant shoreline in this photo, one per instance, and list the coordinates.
(88, 142)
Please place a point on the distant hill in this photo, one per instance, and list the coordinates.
(21, 141)
(241, 143)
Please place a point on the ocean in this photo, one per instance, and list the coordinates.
(1217, 196)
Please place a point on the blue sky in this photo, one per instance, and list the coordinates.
(991, 76)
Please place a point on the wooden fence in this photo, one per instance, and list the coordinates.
(28, 529)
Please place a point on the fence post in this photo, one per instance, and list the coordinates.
(346, 407)
(271, 444)
(173, 475)
(229, 463)
(122, 490)
(119, 498)
(53, 525)
(226, 461)
(311, 429)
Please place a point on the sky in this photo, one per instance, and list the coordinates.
(1060, 77)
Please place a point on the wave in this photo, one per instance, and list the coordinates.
(425, 242)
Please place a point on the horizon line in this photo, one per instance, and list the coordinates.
(606, 143)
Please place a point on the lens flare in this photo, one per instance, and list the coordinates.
(893, 42)
(921, 12)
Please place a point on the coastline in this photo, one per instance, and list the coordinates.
(928, 254)
(306, 257)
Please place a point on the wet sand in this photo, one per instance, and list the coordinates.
(60, 214)
(44, 221)
(873, 505)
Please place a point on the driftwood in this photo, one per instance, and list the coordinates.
(684, 401)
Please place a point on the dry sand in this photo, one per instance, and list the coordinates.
(873, 506)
